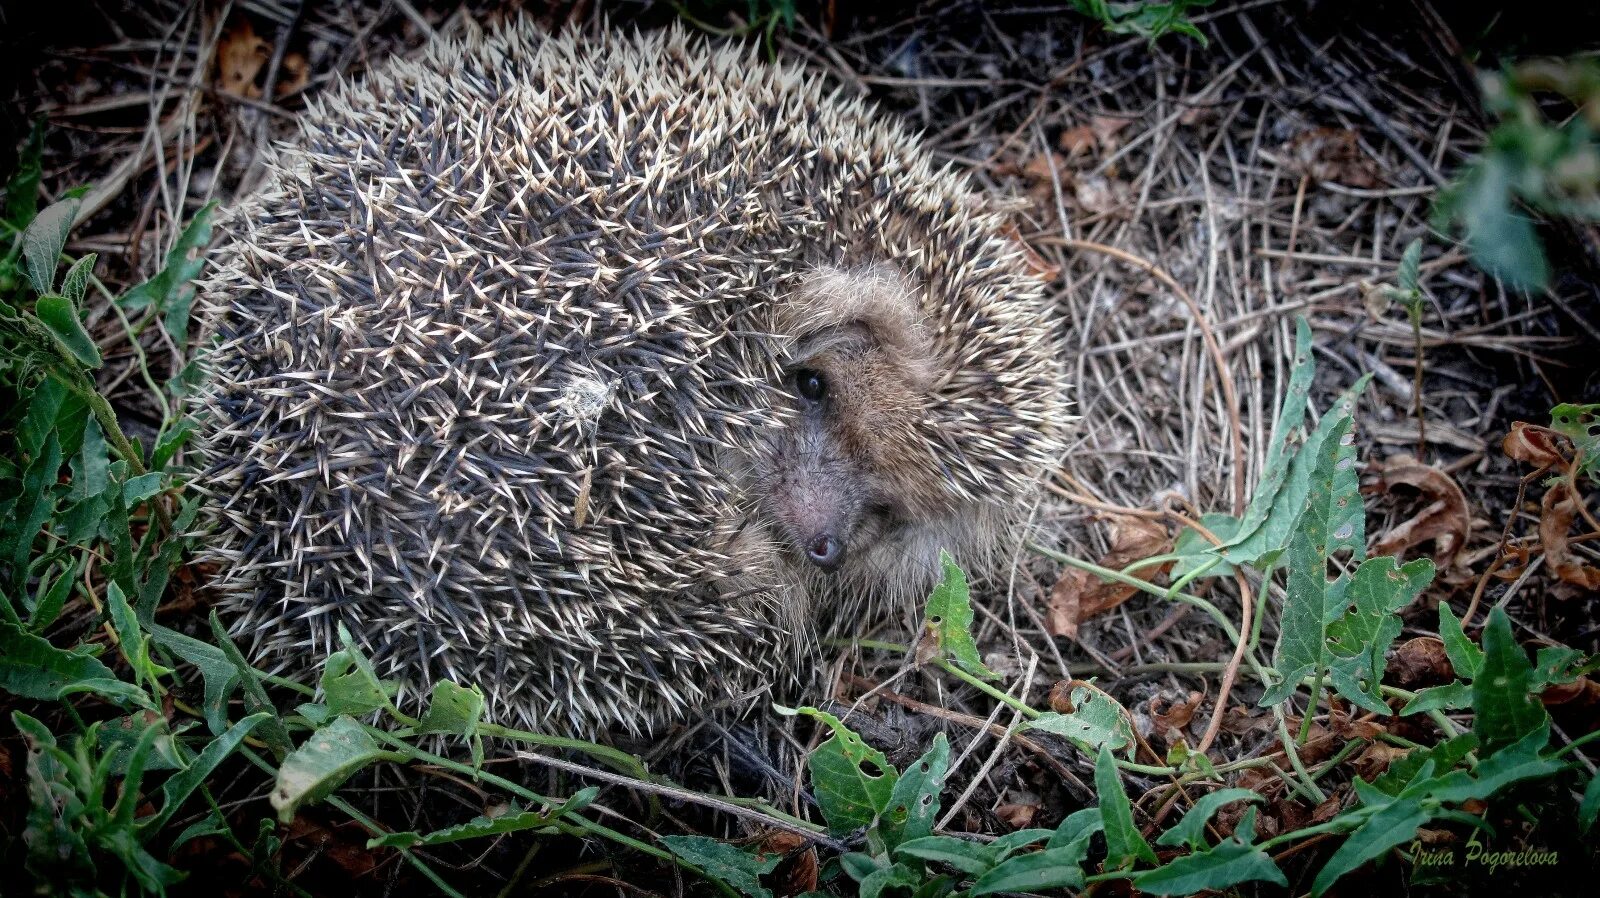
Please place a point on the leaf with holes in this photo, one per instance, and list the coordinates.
(914, 801)
(513, 820)
(1581, 424)
(1096, 720)
(1360, 639)
(853, 781)
(325, 760)
(948, 621)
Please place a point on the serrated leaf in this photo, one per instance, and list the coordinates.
(1196, 553)
(1504, 707)
(1444, 757)
(1191, 830)
(1581, 425)
(328, 757)
(1589, 805)
(350, 685)
(1360, 639)
(972, 858)
(948, 620)
(852, 781)
(1521, 760)
(914, 801)
(1303, 368)
(91, 468)
(1095, 721)
(513, 820)
(43, 242)
(1263, 547)
(255, 697)
(453, 709)
(131, 640)
(1311, 601)
(1124, 843)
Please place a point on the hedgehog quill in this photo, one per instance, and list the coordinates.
(607, 373)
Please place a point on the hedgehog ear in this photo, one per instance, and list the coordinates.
(875, 299)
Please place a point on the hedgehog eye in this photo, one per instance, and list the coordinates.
(811, 385)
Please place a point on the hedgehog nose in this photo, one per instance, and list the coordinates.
(825, 551)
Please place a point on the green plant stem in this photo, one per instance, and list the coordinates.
(620, 760)
(1306, 785)
(1311, 708)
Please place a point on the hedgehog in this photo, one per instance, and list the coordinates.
(608, 373)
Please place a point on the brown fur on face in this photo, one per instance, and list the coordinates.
(861, 466)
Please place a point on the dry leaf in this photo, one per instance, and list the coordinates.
(1421, 662)
(1078, 596)
(1580, 693)
(1018, 816)
(1531, 443)
(1376, 758)
(241, 54)
(1444, 520)
(1330, 154)
(1170, 716)
(1037, 264)
(1556, 515)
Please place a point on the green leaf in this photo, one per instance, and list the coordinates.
(58, 315)
(1124, 842)
(213, 824)
(220, 675)
(453, 709)
(1501, 239)
(1311, 602)
(76, 283)
(948, 619)
(853, 782)
(328, 757)
(1079, 826)
(1581, 424)
(178, 787)
(34, 506)
(914, 800)
(1095, 721)
(255, 697)
(350, 684)
(1263, 547)
(1589, 807)
(1410, 275)
(33, 668)
(1197, 555)
(1455, 696)
(1228, 864)
(972, 858)
(724, 863)
(43, 242)
(1053, 868)
(1444, 757)
(131, 639)
(168, 291)
(1022, 838)
(91, 469)
(1290, 417)
(22, 191)
(513, 820)
(1191, 830)
(1521, 760)
(1504, 708)
(1380, 589)
(1465, 658)
(1394, 824)
(894, 876)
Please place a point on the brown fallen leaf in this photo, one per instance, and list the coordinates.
(1376, 758)
(1078, 595)
(1533, 444)
(1170, 715)
(1580, 693)
(1445, 520)
(1039, 265)
(1557, 512)
(1421, 662)
(1330, 154)
(1017, 815)
(240, 56)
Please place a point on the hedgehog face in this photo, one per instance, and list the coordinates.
(851, 485)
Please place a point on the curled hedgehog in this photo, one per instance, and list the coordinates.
(607, 373)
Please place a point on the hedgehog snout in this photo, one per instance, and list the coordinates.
(814, 495)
